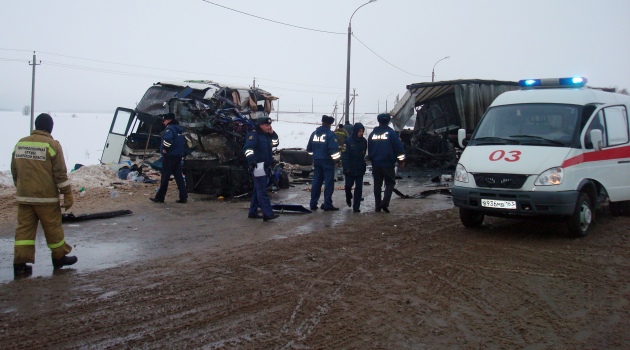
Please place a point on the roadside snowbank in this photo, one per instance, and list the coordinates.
(89, 176)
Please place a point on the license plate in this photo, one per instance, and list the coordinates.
(491, 203)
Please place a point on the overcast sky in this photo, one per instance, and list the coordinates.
(98, 55)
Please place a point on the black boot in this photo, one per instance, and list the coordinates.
(349, 197)
(22, 270)
(65, 261)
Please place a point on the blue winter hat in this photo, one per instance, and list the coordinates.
(384, 118)
(168, 116)
(328, 120)
(263, 120)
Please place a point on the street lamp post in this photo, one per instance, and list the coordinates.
(347, 109)
(433, 72)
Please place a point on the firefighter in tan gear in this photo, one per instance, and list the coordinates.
(40, 174)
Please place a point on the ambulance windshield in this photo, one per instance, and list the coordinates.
(528, 124)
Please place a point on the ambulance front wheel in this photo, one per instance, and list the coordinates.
(582, 218)
(471, 218)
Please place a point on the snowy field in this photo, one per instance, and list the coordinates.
(83, 135)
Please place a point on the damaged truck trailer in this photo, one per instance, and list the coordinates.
(216, 117)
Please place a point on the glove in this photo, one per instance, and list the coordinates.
(252, 166)
(401, 164)
(346, 172)
(68, 200)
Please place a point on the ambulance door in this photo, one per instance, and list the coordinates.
(117, 136)
(610, 165)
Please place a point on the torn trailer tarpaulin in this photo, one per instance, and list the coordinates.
(465, 101)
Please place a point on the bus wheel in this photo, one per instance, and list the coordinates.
(471, 218)
(582, 218)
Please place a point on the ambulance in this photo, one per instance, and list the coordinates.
(555, 149)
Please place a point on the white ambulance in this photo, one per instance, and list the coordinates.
(554, 148)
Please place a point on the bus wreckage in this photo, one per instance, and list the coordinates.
(217, 119)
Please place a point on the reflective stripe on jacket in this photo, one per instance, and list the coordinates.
(258, 147)
(39, 169)
(385, 147)
(322, 144)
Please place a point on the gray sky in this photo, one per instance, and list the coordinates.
(97, 55)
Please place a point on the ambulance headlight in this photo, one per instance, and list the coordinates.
(461, 174)
(550, 177)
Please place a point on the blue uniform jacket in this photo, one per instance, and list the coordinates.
(173, 140)
(258, 147)
(322, 144)
(385, 147)
(353, 153)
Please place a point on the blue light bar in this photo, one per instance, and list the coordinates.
(554, 82)
(529, 82)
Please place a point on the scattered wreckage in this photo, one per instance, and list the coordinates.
(216, 117)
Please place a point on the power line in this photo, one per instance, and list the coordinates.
(175, 71)
(316, 30)
(13, 60)
(386, 61)
(141, 75)
(145, 67)
(100, 70)
(270, 20)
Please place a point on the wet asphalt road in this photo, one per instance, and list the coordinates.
(159, 230)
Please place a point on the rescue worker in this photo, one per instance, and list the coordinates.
(173, 148)
(342, 135)
(384, 149)
(40, 175)
(353, 160)
(258, 151)
(322, 145)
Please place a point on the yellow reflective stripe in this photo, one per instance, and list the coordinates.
(37, 200)
(166, 144)
(336, 155)
(63, 184)
(401, 157)
(57, 245)
(25, 242)
(36, 144)
(249, 152)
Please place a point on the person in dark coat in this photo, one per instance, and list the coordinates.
(258, 151)
(172, 149)
(322, 145)
(353, 161)
(384, 149)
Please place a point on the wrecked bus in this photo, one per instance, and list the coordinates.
(216, 117)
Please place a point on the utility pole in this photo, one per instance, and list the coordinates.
(254, 83)
(34, 64)
(354, 100)
(278, 110)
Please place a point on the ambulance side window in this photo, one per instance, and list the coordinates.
(616, 125)
(596, 123)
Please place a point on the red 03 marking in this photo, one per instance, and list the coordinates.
(512, 156)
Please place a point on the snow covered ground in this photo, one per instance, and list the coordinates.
(83, 135)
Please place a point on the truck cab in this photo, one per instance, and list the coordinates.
(554, 148)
